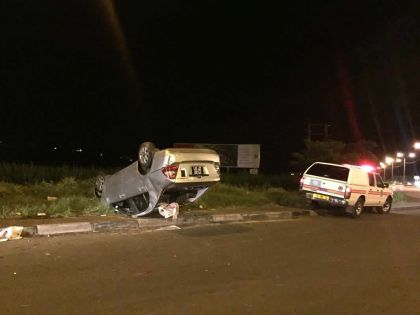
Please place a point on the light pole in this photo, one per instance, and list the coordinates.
(383, 165)
(398, 160)
(401, 155)
(416, 146)
(390, 161)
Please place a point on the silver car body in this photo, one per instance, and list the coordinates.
(176, 175)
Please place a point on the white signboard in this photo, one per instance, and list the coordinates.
(231, 155)
(248, 155)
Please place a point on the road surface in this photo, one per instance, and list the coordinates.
(321, 265)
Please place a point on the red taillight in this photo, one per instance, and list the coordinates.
(170, 171)
(347, 193)
(301, 183)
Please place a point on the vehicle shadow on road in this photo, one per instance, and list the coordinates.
(223, 229)
(340, 212)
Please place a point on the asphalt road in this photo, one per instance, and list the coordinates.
(322, 265)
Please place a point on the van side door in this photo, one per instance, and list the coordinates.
(374, 194)
(380, 185)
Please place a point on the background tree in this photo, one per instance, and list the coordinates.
(361, 153)
(334, 152)
(314, 151)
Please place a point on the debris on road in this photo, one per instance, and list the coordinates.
(169, 210)
(11, 233)
(169, 228)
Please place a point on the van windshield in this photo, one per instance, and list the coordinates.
(329, 171)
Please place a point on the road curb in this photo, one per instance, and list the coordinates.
(63, 228)
(110, 225)
(229, 217)
(158, 223)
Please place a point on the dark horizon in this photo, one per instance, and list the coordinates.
(107, 77)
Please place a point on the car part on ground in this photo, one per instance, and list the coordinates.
(180, 175)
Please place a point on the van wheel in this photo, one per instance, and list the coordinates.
(386, 208)
(357, 208)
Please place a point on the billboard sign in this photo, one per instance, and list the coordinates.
(231, 155)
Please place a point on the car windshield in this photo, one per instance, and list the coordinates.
(329, 171)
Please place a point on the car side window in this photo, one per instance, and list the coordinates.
(371, 179)
(379, 181)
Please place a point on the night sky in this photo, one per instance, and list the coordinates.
(105, 76)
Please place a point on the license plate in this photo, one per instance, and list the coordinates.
(197, 171)
(318, 196)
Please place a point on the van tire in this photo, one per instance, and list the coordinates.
(357, 209)
(386, 208)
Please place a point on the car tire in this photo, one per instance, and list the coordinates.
(99, 185)
(146, 153)
(386, 208)
(357, 209)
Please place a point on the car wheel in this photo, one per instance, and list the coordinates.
(357, 208)
(146, 152)
(99, 185)
(386, 208)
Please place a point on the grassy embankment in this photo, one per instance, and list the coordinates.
(63, 191)
(27, 190)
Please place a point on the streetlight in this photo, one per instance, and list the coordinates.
(410, 155)
(383, 165)
(390, 161)
(416, 145)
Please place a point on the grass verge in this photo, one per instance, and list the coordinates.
(224, 196)
(27, 190)
(70, 197)
(65, 198)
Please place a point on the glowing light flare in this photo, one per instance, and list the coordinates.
(367, 168)
(346, 94)
(416, 145)
(411, 155)
(389, 160)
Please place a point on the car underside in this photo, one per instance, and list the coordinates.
(180, 175)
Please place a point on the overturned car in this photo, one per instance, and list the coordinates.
(178, 175)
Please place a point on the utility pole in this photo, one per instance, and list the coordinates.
(318, 131)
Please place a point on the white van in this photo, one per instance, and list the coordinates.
(348, 186)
